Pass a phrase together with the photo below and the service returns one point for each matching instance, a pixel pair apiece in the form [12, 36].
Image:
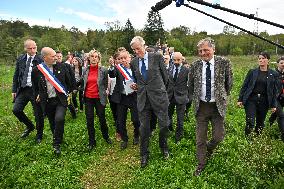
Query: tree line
[229, 42]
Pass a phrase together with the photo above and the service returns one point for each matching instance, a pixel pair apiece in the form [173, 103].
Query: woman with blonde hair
[95, 83]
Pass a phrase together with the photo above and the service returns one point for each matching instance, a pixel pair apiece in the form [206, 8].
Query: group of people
[151, 85]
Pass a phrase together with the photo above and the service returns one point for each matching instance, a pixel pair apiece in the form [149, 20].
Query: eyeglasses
[32, 48]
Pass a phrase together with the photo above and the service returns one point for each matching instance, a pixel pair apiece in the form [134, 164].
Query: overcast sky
[93, 14]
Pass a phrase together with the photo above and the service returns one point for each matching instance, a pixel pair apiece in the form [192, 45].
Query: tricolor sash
[51, 78]
[124, 72]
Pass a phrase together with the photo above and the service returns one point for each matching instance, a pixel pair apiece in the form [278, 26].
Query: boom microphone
[162, 4]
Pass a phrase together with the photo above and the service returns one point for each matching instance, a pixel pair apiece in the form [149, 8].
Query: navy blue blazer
[249, 84]
[20, 70]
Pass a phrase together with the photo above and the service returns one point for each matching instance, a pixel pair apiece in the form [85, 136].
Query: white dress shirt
[203, 88]
[29, 77]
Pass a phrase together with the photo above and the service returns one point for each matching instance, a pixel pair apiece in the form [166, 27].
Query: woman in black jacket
[258, 94]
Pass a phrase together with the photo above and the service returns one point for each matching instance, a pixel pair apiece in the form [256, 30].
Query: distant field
[237, 163]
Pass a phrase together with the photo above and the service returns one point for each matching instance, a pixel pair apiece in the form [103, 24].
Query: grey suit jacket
[154, 88]
[223, 82]
[102, 82]
[178, 88]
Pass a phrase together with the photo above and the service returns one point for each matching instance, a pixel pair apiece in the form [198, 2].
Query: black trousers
[180, 111]
[55, 113]
[25, 96]
[90, 104]
[127, 102]
[113, 107]
[74, 100]
[280, 115]
[145, 130]
[256, 109]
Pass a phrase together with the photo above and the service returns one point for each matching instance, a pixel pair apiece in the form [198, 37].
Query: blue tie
[143, 69]
[208, 83]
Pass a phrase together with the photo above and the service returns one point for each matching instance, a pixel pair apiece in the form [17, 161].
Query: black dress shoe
[38, 140]
[166, 153]
[91, 147]
[26, 133]
[57, 150]
[108, 141]
[198, 171]
[123, 145]
[209, 153]
[136, 141]
[144, 161]
[178, 138]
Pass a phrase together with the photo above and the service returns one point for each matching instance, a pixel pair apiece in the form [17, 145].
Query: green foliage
[237, 162]
[153, 31]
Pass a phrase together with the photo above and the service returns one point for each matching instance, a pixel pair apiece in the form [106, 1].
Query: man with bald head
[51, 85]
[22, 87]
[178, 93]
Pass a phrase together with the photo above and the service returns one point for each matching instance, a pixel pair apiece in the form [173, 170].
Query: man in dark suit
[124, 99]
[53, 101]
[210, 81]
[22, 92]
[151, 78]
[69, 68]
[178, 93]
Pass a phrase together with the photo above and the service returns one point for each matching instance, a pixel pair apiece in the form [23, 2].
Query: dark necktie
[24, 81]
[208, 83]
[176, 73]
[143, 69]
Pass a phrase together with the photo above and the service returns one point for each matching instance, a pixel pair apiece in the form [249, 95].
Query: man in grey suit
[178, 93]
[151, 78]
[210, 82]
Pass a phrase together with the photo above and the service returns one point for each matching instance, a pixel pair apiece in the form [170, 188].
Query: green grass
[237, 163]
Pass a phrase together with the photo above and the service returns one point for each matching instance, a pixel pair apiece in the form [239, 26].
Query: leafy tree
[113, 38]
[180, 32]
[128, 34]
[153, 30]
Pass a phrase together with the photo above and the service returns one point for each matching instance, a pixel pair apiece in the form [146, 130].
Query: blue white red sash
[51, 78]
[124, 72]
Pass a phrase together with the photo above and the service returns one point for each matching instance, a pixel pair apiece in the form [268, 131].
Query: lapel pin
[58, 71]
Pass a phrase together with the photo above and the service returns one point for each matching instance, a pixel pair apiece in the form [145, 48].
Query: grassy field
[237, 163]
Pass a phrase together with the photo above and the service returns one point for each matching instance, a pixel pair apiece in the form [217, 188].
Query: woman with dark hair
[95, 82]
[77, 67]
[258, 94]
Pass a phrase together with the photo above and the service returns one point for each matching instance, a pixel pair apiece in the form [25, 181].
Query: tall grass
[237, 163]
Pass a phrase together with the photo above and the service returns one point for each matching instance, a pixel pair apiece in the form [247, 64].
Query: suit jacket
[154, 88]
[178, 88]
[249, 84]
[71, 72]
[223, 81]
[20, 70]
[119, 87]
[40, 88]
[102, 82]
